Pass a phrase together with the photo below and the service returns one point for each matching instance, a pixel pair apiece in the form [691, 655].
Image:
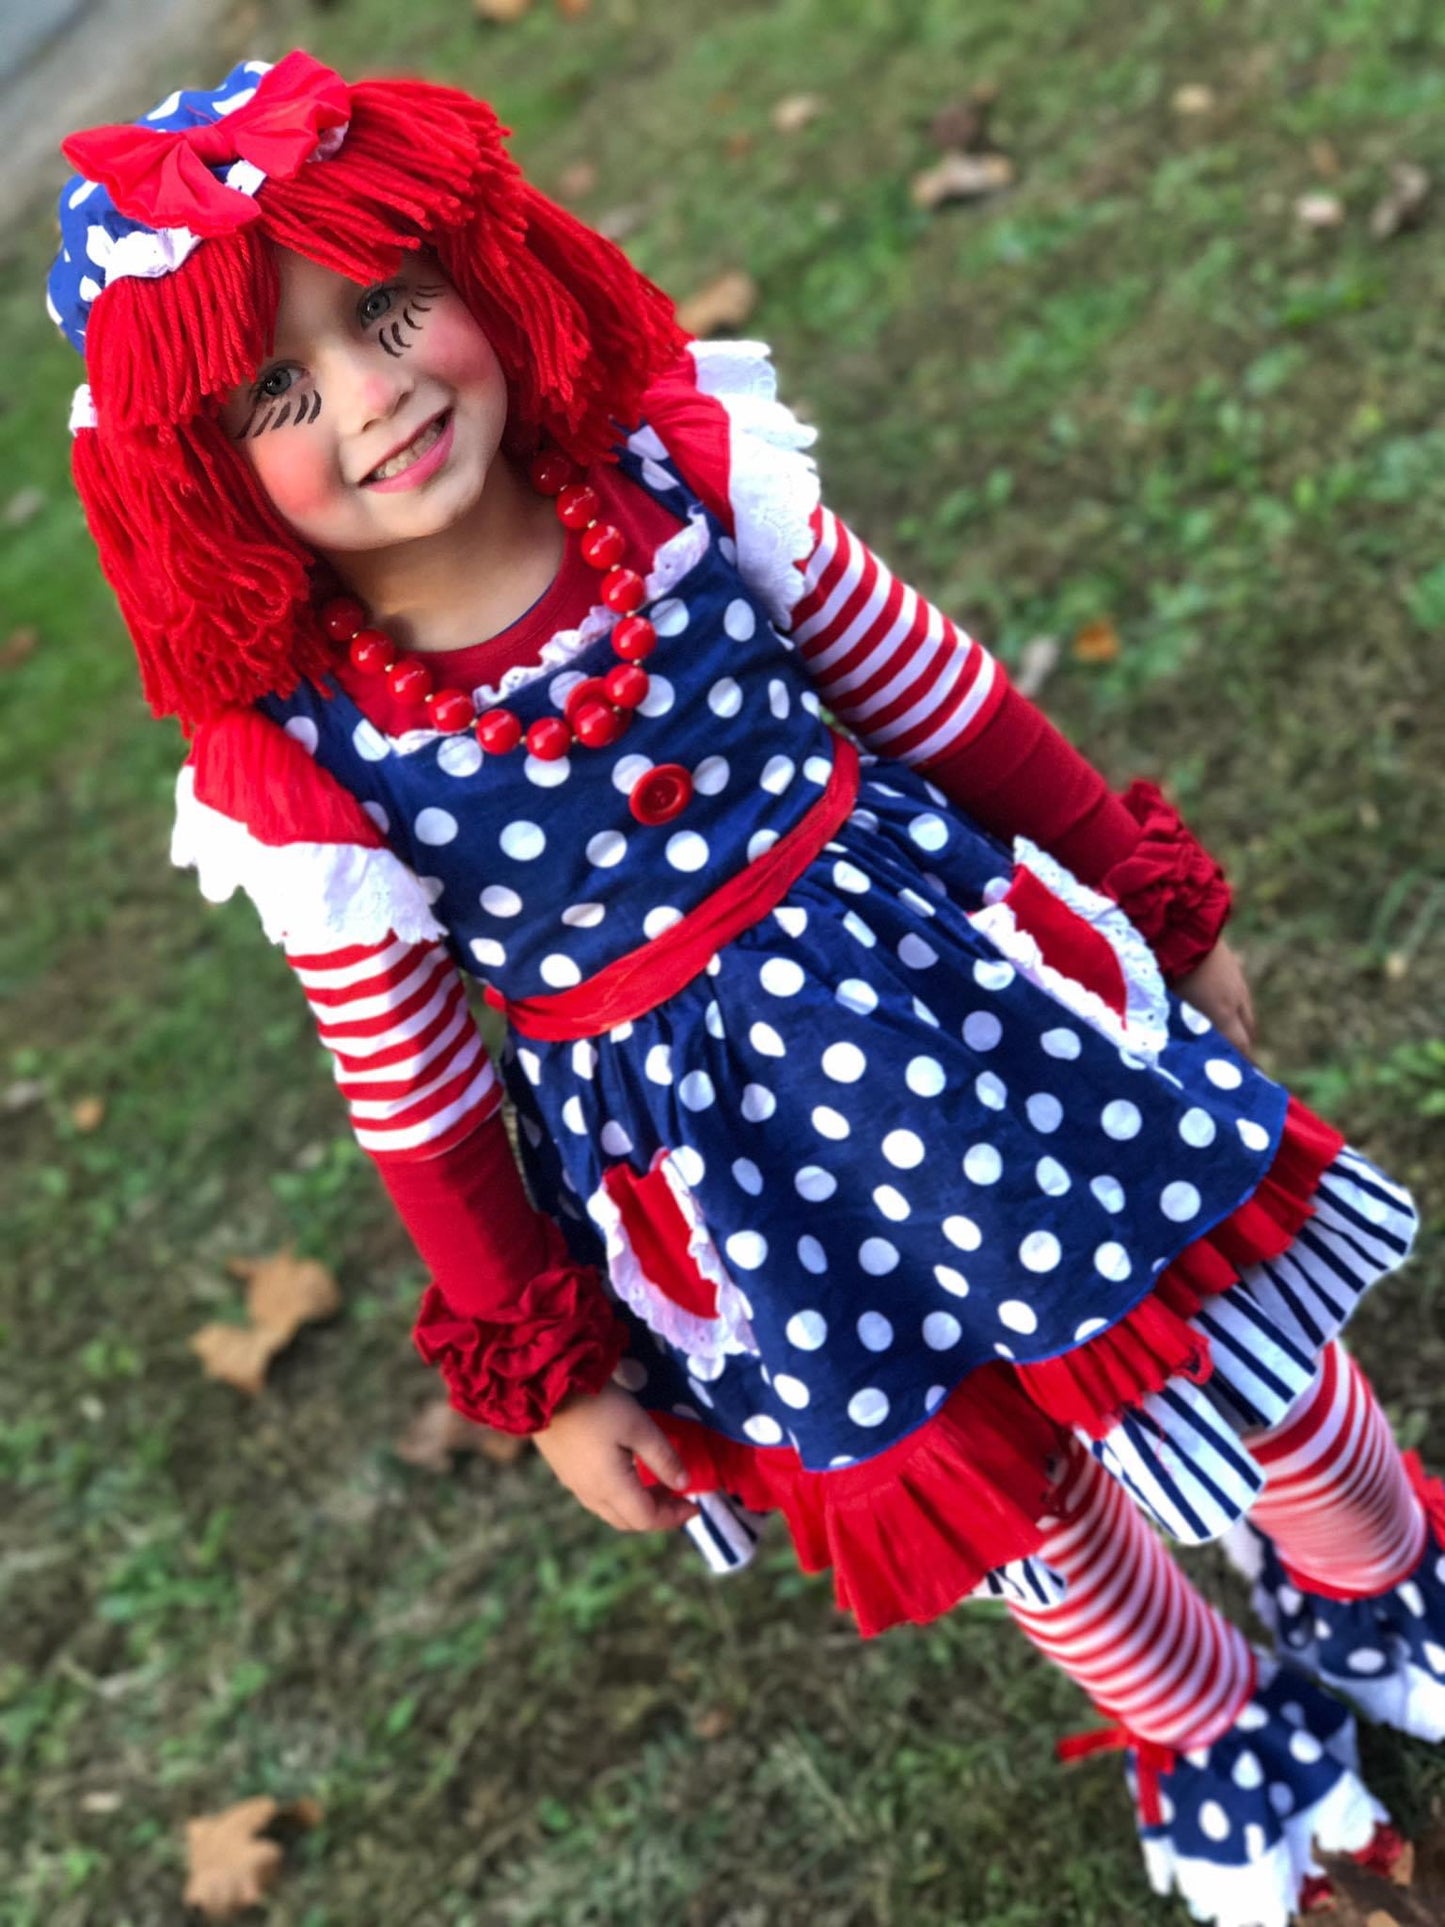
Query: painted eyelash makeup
[256, 423]
[390, 335]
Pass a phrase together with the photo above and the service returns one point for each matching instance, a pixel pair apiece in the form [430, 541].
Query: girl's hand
[1217, 988]
[591, 1444]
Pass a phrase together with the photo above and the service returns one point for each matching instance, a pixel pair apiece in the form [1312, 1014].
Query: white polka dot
[856, 927]
[1410, 1596]
[561, 687]
[1194, 1020]
[1290, 1601]
[760, 842]
[929, 832]
[669, 617]
[711, 775]
[1051, 1177]
[1223, 1075]
[437, 827]
[499, 901]
[778, 773]
[532, 1066]
[778, 699]
[1281, 1798]
[378, 816]
[522, 841]
[829, 1123]
[951, 1280]
[369, 743]
[868, 1407]
[792, 1391]
[875, 1332]
[916, 902]
[763, 1430]
[758, 1103]
[1018, 1316]
[1040, 1251]
[892, 1203]
[1251, 1718]
[815, 1184]
[659, 698]
[1252, 1136]
[739, 620]
[628, 772]
[559, 972]
[1045, 1111]
[713, 1018]
[546, 772]
[1366, 1659]
[849, 877]
[817, 769]
[781, 977]
[903, 1149]
[1121, 1119]
[581, 916]
[917, 954]
[981, 1030]
[791, 918]
[962, 1232]
[1109, 1192]
[1213, 1820]
[657, 1065]
[766, 1041]
[725, 698]
[487, 950]
[459, 755]
[1089, 1329]
[687, 850]
[660, 919]
[808, 1330]
[690, 1165]
[619, 1033]
[1306, 1748]
[924, 1076]
[934, 1397]
[302, 730]
[697, 1091]
[746, 1174]
[1112, 1261]
[572, 1116]
[631, 1374]
[1434, 1654]
[991, 1091]
[844, 1063]
[854, 994]
[941, 1331]
[1179, 1202]
[982, 1164]
[993, 976]
[811, 1255]
[584, 1057]
[1061, 1043]
[747, 1248]
[1196, 1127]
[607, 848]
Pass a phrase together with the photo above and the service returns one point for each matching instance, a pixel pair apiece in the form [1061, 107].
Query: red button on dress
[661, 794]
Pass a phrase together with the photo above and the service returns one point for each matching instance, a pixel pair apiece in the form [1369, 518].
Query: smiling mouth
[421, 444]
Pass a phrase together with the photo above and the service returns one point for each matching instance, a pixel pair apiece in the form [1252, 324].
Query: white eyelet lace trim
[310, 896]
[709, 1340]
[82, 409]
[1144, 1029]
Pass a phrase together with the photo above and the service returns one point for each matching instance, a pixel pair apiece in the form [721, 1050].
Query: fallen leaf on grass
[961, 177]
[1192, 99]
[438, 1433]
[1320, 211]
[24, 1092]
[576, 182]
[88, 1114]
[1404, 205]
[231, 1862]
[738, 145]
[573, 9]
[962, 126]
[793, 112]
[237, 1355]
[1097, 642]
[724, 303]
[283, 1293]
[19, 644]
[712, 1722]
[501, 11]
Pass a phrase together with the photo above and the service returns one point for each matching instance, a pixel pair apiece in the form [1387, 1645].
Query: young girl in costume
[876, 1177]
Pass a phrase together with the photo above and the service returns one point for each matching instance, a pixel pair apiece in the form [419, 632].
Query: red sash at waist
[649, 975]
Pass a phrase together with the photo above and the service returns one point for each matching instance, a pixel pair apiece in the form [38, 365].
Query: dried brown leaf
[1320, 211]
[19, 644]
[231, 1863]
[236, 1355]
[724, 303]
[961, 177]
[1404, 206]
[738, 144]
[576, 182]
[88, 1113]
[793, 112]
[712, 1722]
[284, 1292]
[1325, 159]
[501, 11]
[573, 9]
[962, 126]
[1097, 642]
[1193, 99]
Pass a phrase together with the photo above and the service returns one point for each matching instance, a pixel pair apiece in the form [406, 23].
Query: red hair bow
[163, 176]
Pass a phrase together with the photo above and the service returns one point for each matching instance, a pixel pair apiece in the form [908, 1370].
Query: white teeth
[413, 452]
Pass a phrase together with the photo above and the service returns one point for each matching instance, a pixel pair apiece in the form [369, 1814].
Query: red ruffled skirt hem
[913, 1530]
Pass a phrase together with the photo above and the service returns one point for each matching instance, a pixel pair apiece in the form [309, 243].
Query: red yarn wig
[215, 589]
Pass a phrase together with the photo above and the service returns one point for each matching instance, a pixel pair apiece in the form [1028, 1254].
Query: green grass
[1132, 387]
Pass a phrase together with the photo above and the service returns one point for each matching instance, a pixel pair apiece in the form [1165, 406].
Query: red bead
[410, 682]
[626, 685]
[342, 617]
[498, 731]
[551, 471]
[598, 725]
[624, 590]
[633, 638]
[373, 652]
[591, 689]
[453, 710]
[604, 546]
[549, 738]
[577, 505]
[661, 794]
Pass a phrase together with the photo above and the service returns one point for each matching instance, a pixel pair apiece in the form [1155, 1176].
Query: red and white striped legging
[1145, 1646]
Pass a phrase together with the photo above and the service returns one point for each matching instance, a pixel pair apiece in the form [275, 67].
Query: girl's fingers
[657, 1452]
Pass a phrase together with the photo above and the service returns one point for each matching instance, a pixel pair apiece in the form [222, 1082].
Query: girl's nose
[368, 393]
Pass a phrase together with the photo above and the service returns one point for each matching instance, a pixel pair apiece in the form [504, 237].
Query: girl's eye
[274, 383]
[374, 304]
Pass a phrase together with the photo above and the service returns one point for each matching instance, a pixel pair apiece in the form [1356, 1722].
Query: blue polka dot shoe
[1386, 1655]
[1233, 1827]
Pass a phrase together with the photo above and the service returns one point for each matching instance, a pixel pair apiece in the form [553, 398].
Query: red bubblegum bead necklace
[597, 711]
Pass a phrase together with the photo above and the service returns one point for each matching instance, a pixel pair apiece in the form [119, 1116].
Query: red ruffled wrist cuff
[1169, 886]
[564, 1337]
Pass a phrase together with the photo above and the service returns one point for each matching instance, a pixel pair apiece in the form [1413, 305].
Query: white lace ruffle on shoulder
[772, 483]
[310, 896]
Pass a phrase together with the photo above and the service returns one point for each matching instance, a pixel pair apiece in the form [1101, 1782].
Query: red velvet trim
[1170, 887]
[249, 769]
[658, 1234]
[1067, 942]
[912, 1531]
